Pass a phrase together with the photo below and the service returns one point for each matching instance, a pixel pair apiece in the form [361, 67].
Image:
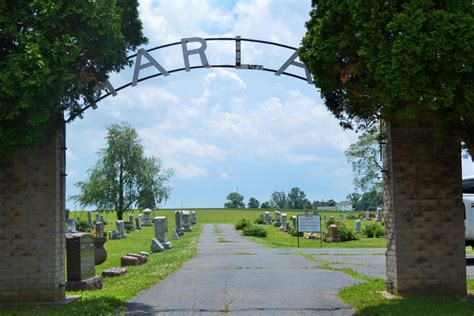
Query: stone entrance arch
[424, 227]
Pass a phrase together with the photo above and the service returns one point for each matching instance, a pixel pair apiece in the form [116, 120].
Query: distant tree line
[295, 199]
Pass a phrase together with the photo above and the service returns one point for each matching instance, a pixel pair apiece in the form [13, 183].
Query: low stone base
[94, 283]
[129, 261]
[156, 246]
[167, 245]
[333, 239]
[113, 272]
[141, 258]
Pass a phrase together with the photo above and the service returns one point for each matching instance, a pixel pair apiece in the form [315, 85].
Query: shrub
[244, 222]
[373, 230]
[345, 233]
[259, 221]
[82, 226]
[294, 232]
[351, 216]
[253, 230]
[330, 221]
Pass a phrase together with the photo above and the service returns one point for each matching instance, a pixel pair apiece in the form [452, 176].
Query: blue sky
[224, 129]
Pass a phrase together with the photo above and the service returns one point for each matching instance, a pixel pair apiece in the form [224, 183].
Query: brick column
[424, 215]
[32, 238]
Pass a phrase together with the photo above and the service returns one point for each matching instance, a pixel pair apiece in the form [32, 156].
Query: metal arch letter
[200, 51]
[152, 62]
[292, 61]
[108, 86]
[238, 59]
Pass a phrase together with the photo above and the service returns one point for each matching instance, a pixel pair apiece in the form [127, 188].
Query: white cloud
[224, 175]
[186, 170]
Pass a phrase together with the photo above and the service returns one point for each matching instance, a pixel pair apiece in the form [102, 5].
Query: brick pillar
[32, 240]
[424, 215]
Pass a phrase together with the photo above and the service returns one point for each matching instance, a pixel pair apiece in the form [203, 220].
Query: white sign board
[309, 223]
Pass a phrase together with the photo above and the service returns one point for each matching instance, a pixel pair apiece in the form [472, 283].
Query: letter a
[138, 66]
[291, 61]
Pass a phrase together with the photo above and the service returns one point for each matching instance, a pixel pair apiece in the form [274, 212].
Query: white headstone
[378, 217]
[147, 217]
[193, 217]
[277, 218]
[186, 215]
[367, 215]
[267, 218]
[161, 231]
[120, 227]
[357, 226]
[97, 217]
[130, 218]
[283, 221]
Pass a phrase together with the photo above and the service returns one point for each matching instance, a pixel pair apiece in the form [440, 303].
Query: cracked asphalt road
[232, 275]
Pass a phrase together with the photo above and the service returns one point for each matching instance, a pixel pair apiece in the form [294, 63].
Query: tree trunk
[424, 213]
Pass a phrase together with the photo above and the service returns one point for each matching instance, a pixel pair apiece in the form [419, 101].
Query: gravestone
[128, 226]
[130, 218]
[341, 216]
[277, 218]
[262, 218]
[101, 219]
[137, 223]
[120, 228]
[80, 259]
[267, 218]
[283, 222]
[333, 232]
[140, 219]
[99, 229]
[315, 212]
[367, 215]
[193, 217]
[156, 246]
[97, 217]
[357, 226]
[89, 218]
[71, 226]
[187, 221]
[178, 219]
[175, 235]
[161, 231]
[147, 217]
[293, 220]
[378, 217]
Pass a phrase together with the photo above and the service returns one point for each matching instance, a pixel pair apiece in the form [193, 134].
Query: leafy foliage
[235, 200]
[296, 198]
[364, 156]
[345, 234]
[244, 222]
[123, 174]
[53, 54]
[278, 199]
[266, 205]
[253, 203]
[394, 60]
[255, 231]
[373, 230]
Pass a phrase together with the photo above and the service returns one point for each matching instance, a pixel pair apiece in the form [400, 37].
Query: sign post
[308, 224]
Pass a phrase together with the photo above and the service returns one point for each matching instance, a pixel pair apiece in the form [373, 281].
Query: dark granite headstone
[80, 256]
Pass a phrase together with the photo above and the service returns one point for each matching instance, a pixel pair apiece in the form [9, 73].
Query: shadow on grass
[103, 305]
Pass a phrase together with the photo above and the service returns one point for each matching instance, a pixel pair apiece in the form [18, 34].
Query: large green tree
[296, 198]
[394, 60]
[53, 55]
[234, 200]
[364, 155]
[279, 200]
[253, 203]
[123, 176]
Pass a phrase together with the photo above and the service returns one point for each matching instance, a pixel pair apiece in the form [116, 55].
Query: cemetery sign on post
[308, 224]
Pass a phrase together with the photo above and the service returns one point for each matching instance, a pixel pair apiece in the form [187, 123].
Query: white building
[344, 206]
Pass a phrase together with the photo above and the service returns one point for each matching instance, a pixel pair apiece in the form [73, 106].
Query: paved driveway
[232, 275]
